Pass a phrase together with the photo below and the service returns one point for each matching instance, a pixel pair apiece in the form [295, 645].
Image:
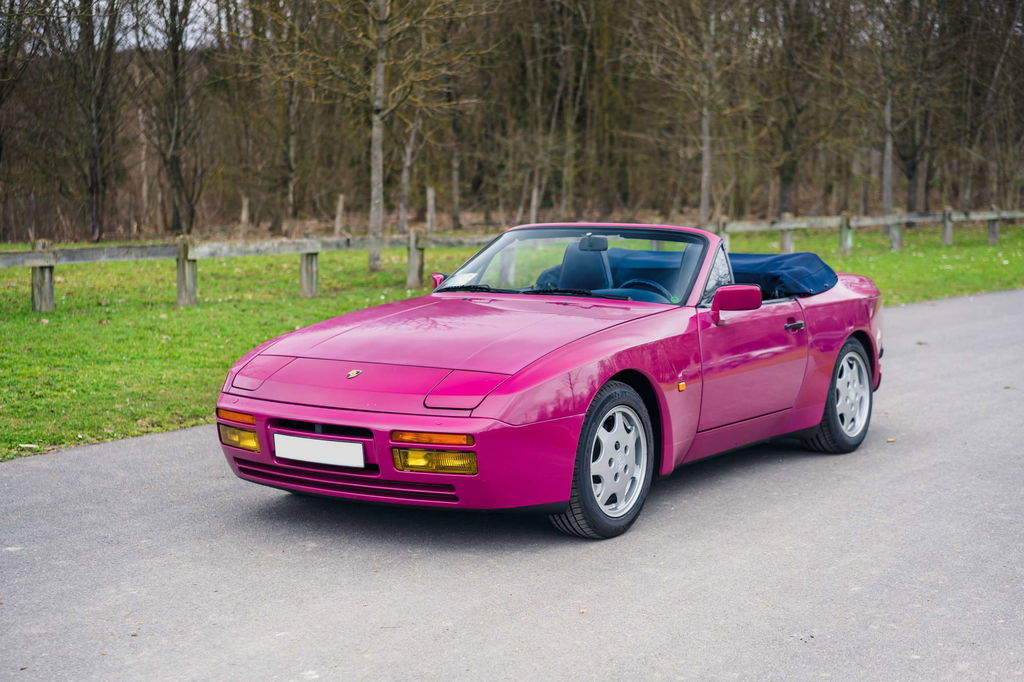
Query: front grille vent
[322, 429]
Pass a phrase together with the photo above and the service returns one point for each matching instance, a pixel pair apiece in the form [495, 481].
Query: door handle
[793, 326]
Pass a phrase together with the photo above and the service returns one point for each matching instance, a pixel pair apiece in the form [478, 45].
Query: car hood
[500, 334]
[439, 352]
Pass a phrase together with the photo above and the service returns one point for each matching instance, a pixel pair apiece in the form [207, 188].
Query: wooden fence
[846, 224]
[42, 258]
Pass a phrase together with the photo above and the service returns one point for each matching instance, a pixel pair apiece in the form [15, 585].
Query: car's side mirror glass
[437, 278]
[734, 297]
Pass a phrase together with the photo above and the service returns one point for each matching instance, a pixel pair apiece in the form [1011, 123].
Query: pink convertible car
[560, 369]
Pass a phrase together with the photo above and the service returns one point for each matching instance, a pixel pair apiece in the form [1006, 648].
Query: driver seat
[584, 269]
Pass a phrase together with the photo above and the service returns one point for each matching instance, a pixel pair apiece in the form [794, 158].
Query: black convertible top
[783, 275]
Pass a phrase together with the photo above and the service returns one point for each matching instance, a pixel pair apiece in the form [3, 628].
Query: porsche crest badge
[353, 374]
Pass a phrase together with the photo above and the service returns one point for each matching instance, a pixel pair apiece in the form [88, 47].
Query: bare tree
[169, 35]
[403, 47]
[800, 80]
[83, 38]
[686, 59]
[912, 50]
[21, 30]
[408, 156]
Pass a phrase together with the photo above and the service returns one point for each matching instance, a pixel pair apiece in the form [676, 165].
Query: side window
[721, 275]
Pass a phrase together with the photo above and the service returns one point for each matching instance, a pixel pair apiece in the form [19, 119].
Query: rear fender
[852, 308]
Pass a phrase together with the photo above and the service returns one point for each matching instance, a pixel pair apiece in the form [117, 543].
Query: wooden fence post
[896, 236]
[845, 234]
[431, 210]
[787, 241]
[787, 235]
[947, 226]
[308, 274]
[187, 294]
[42, 281]
[414, 273]
[993, 229]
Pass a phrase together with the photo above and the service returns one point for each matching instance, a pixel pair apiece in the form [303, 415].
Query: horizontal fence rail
[846, 223]
[43, 258]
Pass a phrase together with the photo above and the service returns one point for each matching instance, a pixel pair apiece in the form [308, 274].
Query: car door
[753, 361]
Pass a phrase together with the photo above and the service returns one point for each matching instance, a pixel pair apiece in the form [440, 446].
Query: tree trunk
[376, 227]
[95, 187]
[910, 169]
[339, 216]
[144, 172]
[291, 148]
[787, 177]
[705, 165]
[568, 171]
[243, 221]
[181, 209]
[705, 123]
[403, 193]
[456, 218]
[431, 210]
[928, 172]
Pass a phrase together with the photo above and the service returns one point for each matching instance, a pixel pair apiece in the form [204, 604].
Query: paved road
[146, 559]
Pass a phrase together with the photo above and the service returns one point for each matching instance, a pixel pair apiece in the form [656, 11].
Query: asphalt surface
[147, 559]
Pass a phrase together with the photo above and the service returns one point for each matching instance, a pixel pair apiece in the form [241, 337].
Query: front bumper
[519, 466]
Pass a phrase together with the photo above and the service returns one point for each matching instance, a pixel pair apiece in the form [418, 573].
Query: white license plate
[319, 451]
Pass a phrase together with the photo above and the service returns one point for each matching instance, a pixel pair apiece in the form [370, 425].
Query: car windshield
[639, 264]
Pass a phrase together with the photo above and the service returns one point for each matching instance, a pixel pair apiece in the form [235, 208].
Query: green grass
[118, 358]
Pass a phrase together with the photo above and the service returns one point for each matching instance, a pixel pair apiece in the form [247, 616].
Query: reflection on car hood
[459, 331]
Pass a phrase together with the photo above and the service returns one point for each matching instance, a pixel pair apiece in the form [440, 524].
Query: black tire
[585, 516]
[832, 434]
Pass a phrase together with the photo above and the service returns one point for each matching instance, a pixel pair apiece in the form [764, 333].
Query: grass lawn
[118, 358]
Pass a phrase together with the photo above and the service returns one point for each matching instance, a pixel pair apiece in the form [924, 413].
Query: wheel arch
[640, 383]
[869, 347]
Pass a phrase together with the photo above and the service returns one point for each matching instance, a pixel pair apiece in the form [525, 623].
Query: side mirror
[734, 297]
[437, 278]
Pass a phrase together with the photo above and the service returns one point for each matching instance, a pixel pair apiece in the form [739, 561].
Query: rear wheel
[614, 466]
[848, 406]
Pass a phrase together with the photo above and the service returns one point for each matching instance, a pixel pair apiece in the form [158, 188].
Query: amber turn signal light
[434, 461]
[239, 438]
[232, 416]
[432, 438]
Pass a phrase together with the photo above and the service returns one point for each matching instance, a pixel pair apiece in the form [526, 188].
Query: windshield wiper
[573, 292]
[478, 287]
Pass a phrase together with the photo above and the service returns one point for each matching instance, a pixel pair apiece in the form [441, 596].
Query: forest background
[143, 118]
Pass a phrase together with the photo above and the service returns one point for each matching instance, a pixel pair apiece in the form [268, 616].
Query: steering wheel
[650, 284]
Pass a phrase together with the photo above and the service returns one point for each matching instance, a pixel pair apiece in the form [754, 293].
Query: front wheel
[614, 466]
[848, 405]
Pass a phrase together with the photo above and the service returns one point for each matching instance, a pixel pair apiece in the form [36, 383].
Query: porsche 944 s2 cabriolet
[560, 369]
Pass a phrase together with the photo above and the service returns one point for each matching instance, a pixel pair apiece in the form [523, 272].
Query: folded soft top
[779, 276]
